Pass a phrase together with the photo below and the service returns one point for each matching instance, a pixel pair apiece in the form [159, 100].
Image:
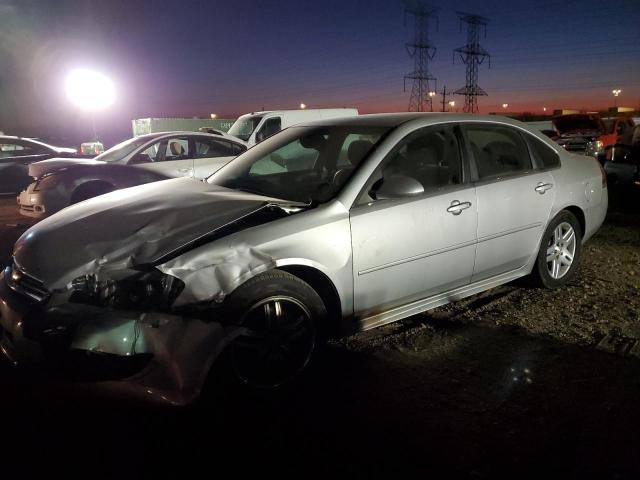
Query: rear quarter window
[544, 155]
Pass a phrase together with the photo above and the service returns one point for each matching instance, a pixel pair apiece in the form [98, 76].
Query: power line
[472, 55]
[422, 52]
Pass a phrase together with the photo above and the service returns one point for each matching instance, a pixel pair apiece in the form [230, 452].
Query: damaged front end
[123, 332]
[136, 284]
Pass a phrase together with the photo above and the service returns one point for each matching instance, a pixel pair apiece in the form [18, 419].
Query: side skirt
[419, 306]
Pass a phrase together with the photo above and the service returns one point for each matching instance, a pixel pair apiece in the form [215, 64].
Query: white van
[254, 127]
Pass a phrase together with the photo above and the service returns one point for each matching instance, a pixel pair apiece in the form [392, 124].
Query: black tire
[541, 274]
[288, 324]
[90, 190]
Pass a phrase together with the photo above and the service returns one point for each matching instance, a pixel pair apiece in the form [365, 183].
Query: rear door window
[498, 151]
[213, 147]
[544, 155]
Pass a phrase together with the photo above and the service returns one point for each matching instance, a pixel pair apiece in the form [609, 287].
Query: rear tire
[560, 249]
[287, 324]
[90, 190]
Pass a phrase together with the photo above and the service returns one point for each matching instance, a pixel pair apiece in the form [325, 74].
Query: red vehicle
[589, 134]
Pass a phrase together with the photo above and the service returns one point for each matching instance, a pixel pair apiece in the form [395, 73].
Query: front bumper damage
[163, 357]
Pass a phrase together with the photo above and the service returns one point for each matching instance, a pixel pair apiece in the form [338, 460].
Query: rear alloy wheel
[284, 318]
[560, 250]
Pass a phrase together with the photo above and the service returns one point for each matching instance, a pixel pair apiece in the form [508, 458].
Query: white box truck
[142, 126]
[254, 127]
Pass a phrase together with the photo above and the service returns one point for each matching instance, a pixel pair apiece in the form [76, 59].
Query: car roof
[27, 139]
[155, 135]
[396, 119]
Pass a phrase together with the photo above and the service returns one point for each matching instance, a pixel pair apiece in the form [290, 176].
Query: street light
[452, 103]
[213, 116]
[303, 106]
[616, 92]
[90, 91]
[431, 95]
[505, 105]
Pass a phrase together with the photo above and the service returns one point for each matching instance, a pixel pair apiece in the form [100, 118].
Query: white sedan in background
[61, 182]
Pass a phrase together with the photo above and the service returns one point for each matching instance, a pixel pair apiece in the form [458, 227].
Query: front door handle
[543, 187]
[457, 207]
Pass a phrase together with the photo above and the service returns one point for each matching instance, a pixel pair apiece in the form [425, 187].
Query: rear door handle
[457, 207]
[543, 187]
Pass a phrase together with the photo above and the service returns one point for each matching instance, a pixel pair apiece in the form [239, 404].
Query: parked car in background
[622, 165]
[323, 229]
[618, 130]
[62, 182]
[16, 153]
[255, 127]
[576, 131]
[589, 134]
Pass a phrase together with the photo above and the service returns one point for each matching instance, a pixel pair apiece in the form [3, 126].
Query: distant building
[142, 126]
[565, 111]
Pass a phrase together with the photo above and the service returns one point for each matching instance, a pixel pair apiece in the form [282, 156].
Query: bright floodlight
[90, 90]
[303, 106]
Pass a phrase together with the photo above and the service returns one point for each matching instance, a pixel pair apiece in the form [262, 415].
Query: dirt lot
[516, 382]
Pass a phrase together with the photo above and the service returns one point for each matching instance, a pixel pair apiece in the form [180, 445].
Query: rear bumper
[158, 356]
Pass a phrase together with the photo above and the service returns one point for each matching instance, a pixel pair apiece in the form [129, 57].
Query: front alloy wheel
[278, 345]
[285, 323]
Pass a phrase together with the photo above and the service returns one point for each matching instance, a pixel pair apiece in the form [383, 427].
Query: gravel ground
[514, 382]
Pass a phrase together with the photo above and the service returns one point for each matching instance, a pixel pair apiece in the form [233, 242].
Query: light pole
[431, 95]
[90, 91]
[616, 92]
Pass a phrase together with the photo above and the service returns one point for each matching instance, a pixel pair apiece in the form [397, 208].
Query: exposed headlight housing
[152, 290]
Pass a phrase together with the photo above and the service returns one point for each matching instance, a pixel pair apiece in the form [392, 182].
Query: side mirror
[398, 186]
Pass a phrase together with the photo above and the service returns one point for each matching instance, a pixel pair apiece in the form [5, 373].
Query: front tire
[286, 324]
[560, 250]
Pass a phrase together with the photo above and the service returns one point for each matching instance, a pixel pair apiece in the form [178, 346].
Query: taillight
[604, 175]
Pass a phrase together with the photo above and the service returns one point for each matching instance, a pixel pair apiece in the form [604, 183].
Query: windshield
[301, 164]
[121, 150]
[243, 127]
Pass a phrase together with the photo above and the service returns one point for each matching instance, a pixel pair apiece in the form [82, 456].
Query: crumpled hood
[38, 169]
[128, 227]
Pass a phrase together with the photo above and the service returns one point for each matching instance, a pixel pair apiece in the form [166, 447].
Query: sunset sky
[192, 58]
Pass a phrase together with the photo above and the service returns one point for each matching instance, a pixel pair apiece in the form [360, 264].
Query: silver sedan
[322, 230]
[60, 182]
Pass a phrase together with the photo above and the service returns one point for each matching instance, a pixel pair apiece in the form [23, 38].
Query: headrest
[357, 151]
